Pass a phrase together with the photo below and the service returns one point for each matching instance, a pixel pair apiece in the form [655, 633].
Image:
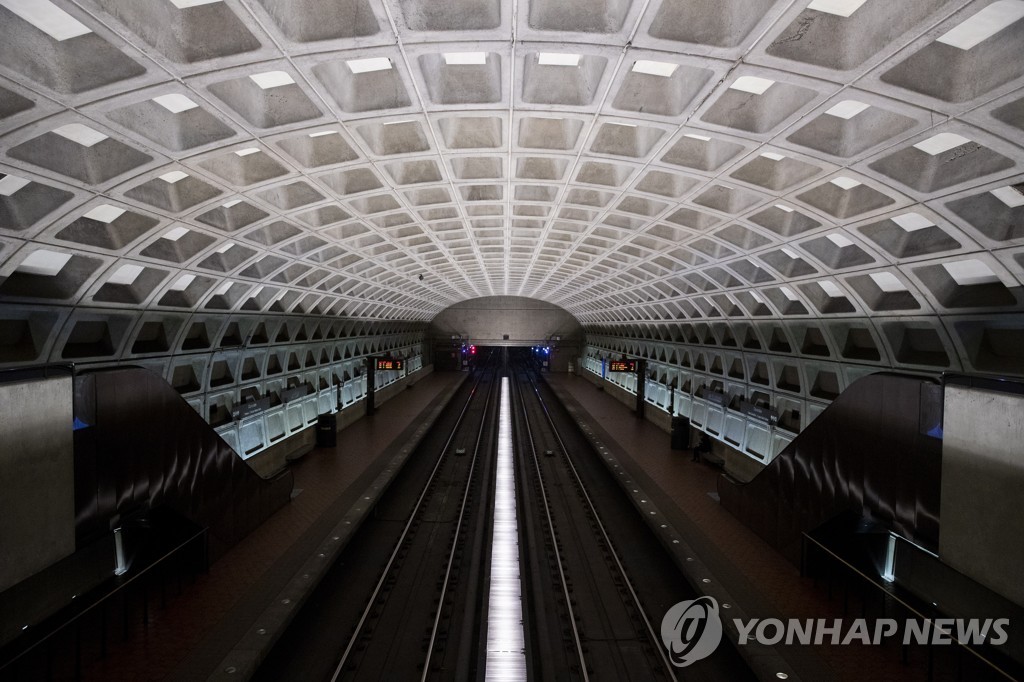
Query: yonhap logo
[691, 630]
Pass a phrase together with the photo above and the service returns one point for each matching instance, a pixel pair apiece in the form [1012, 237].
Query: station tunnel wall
[509, 321]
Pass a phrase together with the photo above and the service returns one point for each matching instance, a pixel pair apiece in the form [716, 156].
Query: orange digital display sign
[622, 366]
[385, 364]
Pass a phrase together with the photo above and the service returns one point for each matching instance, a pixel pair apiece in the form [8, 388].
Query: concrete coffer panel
[37, 484]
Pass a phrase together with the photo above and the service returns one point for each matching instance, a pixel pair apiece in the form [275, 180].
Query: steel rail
[405, 532]
[651, 632]
[458, 527]
[554, 543]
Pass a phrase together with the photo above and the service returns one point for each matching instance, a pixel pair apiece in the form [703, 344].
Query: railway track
[439, 519]
[403, 603]
[408, 599]
[600, 582]
[610, 634]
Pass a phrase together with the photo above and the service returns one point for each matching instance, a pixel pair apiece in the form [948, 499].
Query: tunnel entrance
[512, 322]
[548, 356]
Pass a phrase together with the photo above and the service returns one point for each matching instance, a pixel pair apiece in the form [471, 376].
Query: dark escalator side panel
[145, 448]
[867, 453]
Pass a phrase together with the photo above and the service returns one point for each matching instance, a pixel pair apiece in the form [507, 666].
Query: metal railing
[891, 599]
[17, 656]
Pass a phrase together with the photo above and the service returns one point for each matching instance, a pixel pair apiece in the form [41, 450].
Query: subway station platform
[193, 636]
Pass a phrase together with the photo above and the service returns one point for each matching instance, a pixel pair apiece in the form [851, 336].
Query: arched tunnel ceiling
[506, 321]
[626, 160]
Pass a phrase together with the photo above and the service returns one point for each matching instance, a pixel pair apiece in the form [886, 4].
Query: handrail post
[121, 566]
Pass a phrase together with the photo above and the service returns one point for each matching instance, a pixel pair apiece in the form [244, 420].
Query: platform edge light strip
[506, 654]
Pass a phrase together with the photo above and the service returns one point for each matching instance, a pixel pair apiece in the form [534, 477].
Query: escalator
[158, 495]
[140, 446]
[875, 452]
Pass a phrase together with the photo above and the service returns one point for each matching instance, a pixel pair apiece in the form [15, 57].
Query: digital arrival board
[388, 364]
[622, 366]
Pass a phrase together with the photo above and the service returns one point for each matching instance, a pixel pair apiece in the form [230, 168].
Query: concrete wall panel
[37, 491]
[982, 476]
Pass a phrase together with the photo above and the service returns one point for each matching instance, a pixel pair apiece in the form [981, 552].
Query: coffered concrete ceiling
[658, 160]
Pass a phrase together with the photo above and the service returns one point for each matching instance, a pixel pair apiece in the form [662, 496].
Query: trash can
[327, 430]
[680, 432]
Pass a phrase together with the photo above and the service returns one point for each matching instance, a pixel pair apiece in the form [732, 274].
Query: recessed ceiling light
[911, 222]
[322, 133]
[233, 202]
[272, 79]
[247, 151]
[558, 59]
[367, 65]
[787, 209]
[175, 233]
[989, 21]
[182, 282]
[773, 156]
[126, 274]
[971, 272]
[48, 18]
[846, 183]
[80, 134]
[788, 293]
[887, 282]
[831, 289]
[841, 8]
[752, 84]
[185, 4]
[942, 142]
[173, 177]
[225, 247]
[105, 213]
[175, 103]
[9, 184]
[664, 69]
[702, 138]
[840, 240]
[465, 58]
[44, 263]
[847, 109]
[1009, 195]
